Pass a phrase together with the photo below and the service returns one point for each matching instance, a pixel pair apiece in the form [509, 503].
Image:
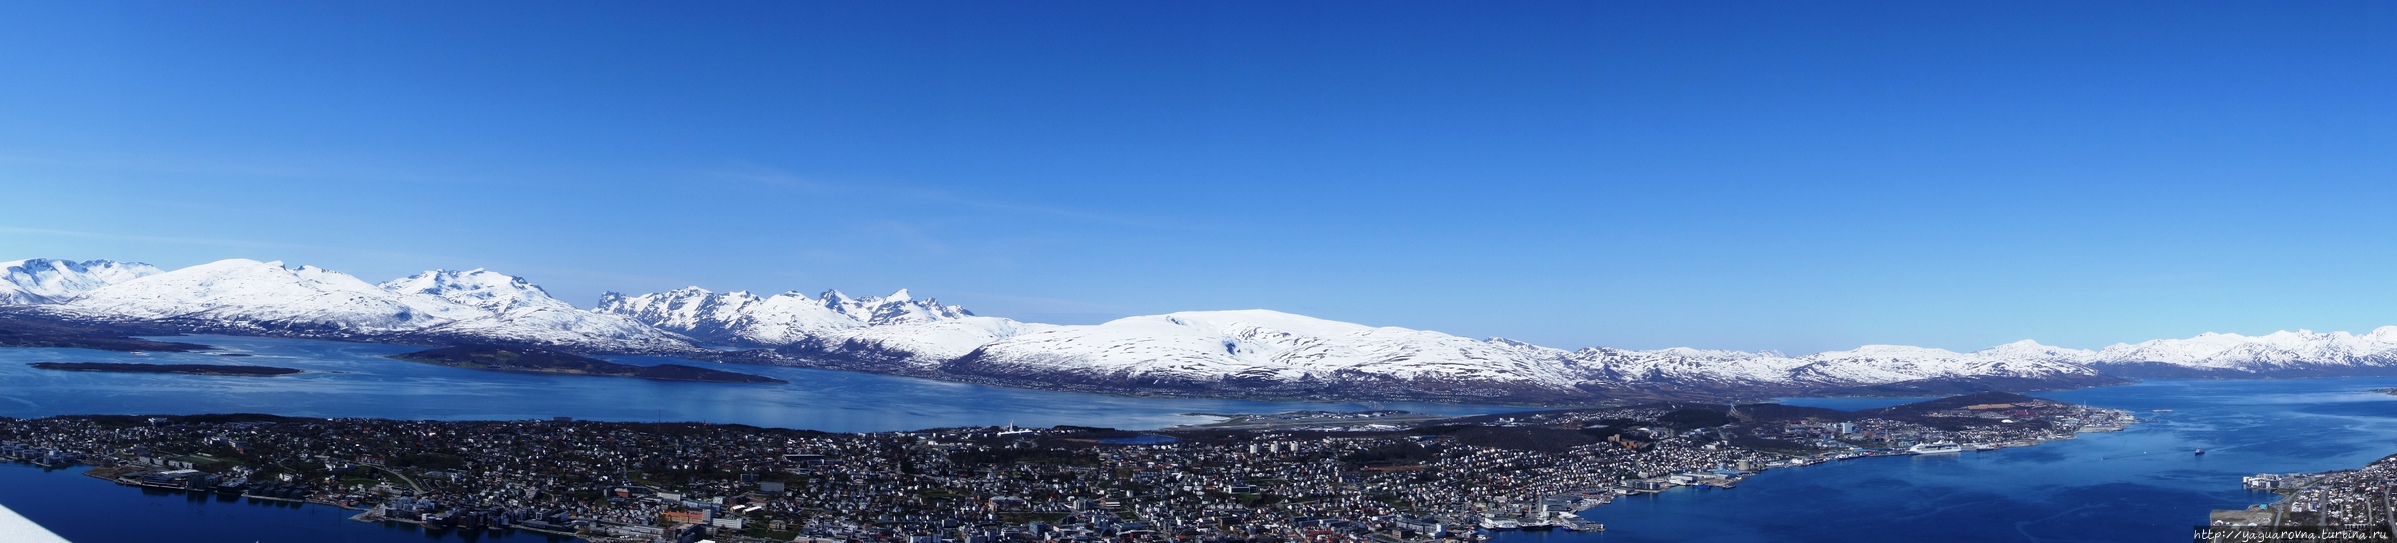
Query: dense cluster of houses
[689, 481]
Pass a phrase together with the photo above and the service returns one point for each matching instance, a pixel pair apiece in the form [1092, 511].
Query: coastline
[2328, 502]
[1658, 449]
[219, 370]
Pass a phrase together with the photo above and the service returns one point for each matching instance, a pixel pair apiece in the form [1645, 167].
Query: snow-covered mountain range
[1215, 351]
[897, 327]
[1247, 353]
[250, 297]
[42, 280]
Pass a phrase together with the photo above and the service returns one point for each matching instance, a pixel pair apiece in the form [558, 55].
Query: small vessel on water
[1935, 448]
[2201, 452]
[1576, 524]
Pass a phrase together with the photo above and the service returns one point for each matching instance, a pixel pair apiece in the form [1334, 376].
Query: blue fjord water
[2142, 484]
[355, 380]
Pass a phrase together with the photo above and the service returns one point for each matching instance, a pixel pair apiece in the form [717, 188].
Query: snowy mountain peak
[742, 318]
[921, 333]
[1887, 351]
[2033, 350]
[477, 287]
[898, 308]
[248, 296]
[257, 293]
[43, 280]
[1208, 349]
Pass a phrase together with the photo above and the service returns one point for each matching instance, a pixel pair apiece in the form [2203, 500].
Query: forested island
[536, 360]
[186, 369]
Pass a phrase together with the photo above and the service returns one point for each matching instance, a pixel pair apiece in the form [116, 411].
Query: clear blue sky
[1764, 175]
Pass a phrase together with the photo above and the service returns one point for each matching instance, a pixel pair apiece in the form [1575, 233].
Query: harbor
[1318, 477]
[2139, 468]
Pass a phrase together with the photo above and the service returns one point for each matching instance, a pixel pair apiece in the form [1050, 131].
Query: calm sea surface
[2142, 484]
[87, 510]
[2138, 485]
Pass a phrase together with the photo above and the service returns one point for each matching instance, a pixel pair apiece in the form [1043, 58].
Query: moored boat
[1942, 447]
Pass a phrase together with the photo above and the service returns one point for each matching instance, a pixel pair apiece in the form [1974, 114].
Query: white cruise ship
[1500, 524]
[1936, 448]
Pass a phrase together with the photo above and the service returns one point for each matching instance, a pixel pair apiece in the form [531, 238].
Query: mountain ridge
[1230, 353]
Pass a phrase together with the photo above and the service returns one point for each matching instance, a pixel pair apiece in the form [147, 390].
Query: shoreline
[217, 370]
[370, 515]
[2326, 502]
[365, 515]
[1473, 464]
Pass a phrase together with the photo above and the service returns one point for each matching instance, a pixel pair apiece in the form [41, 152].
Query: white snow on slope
[930, 331]
[240, 294]
[2277, 350]
[1682, 365]
[733, 317]
[1896, 363]
[934, 342]
[780, 319]
[244, 292]
[1261, 344]
[517, 310]
[1271, 345]
[44, 281]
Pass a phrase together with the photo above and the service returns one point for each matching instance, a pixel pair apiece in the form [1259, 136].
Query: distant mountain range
[1244, 353]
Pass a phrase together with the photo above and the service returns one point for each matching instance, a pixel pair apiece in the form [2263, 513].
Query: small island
[186, 369]
[536, 360]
